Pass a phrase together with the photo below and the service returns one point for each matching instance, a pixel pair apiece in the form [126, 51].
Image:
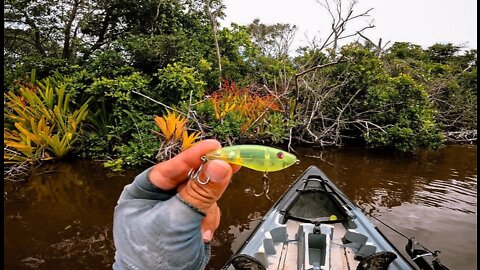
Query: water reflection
[62, 217]
[430, 195]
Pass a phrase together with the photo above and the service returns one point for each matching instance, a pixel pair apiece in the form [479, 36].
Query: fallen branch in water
[17, 172]
[464, 136]
[322, 159]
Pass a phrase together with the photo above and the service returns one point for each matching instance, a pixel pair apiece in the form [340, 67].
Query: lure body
[256, 157]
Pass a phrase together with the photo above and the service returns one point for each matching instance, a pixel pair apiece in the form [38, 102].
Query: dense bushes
[401, 107]
[236, 114]
[131, 66]
[402, 100]
[40, 120]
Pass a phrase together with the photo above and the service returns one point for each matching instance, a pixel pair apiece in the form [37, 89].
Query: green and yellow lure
[256, 157]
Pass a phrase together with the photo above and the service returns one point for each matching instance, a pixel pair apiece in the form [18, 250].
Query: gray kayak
[315, 226]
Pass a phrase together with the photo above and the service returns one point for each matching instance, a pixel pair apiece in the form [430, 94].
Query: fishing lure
[256, 157]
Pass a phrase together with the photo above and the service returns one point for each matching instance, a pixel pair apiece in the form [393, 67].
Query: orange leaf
[179, 127]
[161, 123]
[187, 140]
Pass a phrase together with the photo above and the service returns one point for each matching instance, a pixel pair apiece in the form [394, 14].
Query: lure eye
[280, 155]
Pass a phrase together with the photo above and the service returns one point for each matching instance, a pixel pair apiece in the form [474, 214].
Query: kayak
[315, 226]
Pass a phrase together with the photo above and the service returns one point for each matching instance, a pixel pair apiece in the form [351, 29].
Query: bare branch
[158, 102]
[378, 47]
[340, 19]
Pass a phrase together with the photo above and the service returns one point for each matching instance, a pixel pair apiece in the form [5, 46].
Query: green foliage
[352, 79]
[114, 164]
[109, 64]
[384, 102]
[468, 80]
[449, 79]
[150, 53]
[238, 54]
[276, 128]
[402, 108]
[406, 50]
[178, 82]
[236, 114]
[261, 59]
[94, 145]
[115, 108]
[40, 123]
[272, 71]
[364, 71]
[165, 50]
[442, 53]
[31, 21]
[143, 145]
[205, 110]
[229, 127]
[273, 40]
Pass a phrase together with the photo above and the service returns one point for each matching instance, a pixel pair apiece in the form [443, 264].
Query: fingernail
[207, 235]
[217, 170]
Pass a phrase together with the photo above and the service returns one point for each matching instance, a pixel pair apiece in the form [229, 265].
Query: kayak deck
[315, 226]
[286, 251]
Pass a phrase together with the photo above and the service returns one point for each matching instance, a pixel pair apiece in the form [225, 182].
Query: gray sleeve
[155, 229]
[142, 188]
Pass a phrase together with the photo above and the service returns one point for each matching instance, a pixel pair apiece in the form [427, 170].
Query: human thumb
[203, 196]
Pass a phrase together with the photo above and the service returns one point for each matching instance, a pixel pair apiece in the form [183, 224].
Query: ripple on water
[432, 197]
[453, 194]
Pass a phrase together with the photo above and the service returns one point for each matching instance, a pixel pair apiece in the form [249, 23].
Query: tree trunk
[37, 36]
[67, 52]
[101, 36]
[215, 40]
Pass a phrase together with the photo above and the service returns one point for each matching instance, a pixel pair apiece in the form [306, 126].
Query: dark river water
[61, 218]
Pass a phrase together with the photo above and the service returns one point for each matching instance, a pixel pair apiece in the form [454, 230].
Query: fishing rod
[421, 255]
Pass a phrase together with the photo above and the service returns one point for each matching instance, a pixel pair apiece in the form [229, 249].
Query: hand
[173, 174]
[210, 223]
[162, 222]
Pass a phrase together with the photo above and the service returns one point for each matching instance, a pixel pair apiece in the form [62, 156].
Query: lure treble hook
[195, 174]
[266, 187]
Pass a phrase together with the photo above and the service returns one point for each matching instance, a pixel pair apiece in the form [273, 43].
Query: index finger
[169, 174]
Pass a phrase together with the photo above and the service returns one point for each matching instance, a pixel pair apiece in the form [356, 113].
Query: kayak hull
[315, 226]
